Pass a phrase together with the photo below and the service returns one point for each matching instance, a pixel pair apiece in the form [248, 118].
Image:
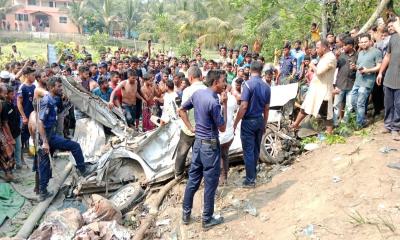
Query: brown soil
[344, 191]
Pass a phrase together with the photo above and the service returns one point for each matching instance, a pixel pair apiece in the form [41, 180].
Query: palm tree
[105, 13]
[77, 12]
[131, 16]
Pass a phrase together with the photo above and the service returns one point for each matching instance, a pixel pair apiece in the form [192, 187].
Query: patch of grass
[363, 133]
[307, 140]
[335, 139]
[388, 222]
[357, 218]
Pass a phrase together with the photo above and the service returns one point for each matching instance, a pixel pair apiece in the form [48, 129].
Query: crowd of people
[337, 75]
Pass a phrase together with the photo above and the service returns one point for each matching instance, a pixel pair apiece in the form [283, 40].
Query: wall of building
[54, 14]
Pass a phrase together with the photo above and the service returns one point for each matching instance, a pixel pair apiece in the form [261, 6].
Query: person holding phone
[368, 63]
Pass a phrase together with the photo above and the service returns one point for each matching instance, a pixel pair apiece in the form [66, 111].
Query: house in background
[40, 16]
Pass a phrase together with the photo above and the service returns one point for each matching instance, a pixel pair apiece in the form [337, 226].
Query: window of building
[52, 4]
[63, 19]
[21, 17]
[31, 2]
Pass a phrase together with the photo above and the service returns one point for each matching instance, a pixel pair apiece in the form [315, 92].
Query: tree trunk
[378, 11]
[324, 19]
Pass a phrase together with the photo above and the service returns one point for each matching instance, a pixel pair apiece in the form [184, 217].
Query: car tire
[271, 148]
[127, 197]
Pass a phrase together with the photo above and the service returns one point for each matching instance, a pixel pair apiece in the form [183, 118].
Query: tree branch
[378, 11]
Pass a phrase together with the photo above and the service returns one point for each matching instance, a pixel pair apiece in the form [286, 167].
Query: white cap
[5, 74]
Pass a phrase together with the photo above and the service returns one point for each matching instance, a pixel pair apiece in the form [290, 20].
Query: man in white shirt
[187, 136]
[226, 138]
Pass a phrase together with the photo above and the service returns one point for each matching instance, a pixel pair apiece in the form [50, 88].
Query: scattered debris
[59, 225]
[103, 230]
[387, 149]
[309, 230]
[395, 165]
[311, 146]
[101, 209]
[336, 179]
[163, 222]
[249, 208]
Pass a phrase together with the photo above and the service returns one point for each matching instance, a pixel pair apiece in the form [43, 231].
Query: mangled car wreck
[129, 164]
[148, 158]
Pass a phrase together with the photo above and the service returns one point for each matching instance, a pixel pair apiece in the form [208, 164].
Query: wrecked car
[127, 156]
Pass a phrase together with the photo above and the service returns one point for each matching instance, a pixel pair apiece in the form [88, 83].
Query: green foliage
[307, 140]
[186, 48]
[335, 139]
[98, 41]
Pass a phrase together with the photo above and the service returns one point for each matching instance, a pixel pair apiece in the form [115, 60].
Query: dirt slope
[341, 191]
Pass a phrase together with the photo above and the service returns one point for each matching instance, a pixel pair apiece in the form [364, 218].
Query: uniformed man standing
[206, 148]
[253, 110]
[47, 121]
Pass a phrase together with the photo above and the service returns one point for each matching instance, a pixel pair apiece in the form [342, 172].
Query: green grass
[33, 49]
[27, 49]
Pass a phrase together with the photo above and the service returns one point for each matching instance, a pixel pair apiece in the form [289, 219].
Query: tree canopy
[218, 22]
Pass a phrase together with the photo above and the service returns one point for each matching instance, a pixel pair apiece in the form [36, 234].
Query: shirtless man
[41, 88]
[130, 92]
[84, 79]
[150, 93]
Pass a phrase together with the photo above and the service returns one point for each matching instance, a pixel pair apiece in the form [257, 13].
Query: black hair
[10, 89]
[146, 77]
[256, 66]
[213, 76]
[83, 69]
[363, 35]
[53, 80]
[132, 73]
[114, 73]
[170, 85]
[324, 43]
[102, 80]
[348, 41]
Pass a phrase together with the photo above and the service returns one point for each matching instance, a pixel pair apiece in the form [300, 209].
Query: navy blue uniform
[206, 150]
[257, 93]
[26, 92]
[48, 116]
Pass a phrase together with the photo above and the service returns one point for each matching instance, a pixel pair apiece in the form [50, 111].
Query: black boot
[186, 218]
[43, 195]
[212, 222]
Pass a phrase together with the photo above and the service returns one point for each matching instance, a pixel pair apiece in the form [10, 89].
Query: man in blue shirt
[50, 141]
[206, 148]
[103, 90]
[254, 108]
[298, 54]
[287, 66]
[24, 101]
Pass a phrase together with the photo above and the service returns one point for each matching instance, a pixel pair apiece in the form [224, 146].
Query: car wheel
[127, 197]
[271, 148]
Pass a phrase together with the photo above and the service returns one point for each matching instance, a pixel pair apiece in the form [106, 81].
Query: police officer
[206, 147]
[253, 110]
[47, 121]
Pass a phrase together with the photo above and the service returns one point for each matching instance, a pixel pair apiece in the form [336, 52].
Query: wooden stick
[153, 211]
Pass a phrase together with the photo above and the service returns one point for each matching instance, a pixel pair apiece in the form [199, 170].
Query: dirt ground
[25, 183]
[342, 191]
